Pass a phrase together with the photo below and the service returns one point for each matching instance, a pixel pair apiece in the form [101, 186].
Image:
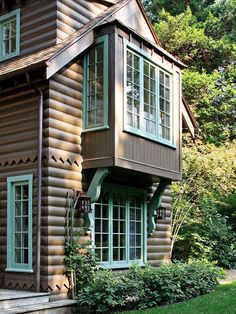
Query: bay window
[148, 98]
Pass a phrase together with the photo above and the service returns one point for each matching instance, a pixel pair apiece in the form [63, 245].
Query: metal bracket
[155, 203]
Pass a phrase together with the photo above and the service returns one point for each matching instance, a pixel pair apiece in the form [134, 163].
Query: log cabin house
[90, 101]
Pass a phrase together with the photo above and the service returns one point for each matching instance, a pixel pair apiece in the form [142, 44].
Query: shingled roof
[45, 57]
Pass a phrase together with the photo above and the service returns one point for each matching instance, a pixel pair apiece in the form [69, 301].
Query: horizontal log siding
[72, 14]
[61, 173]
[38, 26]
[14, 280]
[159, 244]
[18, 126]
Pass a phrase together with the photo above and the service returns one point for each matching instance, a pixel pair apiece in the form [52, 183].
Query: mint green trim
[155, 204]
[144, 56]
[127, 192]
[99, 128]
[12, 182]
[94, 189]
[101, 41]
[94, 192]
[5, 18]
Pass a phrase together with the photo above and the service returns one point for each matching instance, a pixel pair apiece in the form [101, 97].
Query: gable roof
[54, 58]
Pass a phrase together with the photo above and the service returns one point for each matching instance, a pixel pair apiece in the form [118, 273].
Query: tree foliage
[202, 34]
[209, 182]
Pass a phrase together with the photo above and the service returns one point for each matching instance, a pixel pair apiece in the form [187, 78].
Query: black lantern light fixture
[160, 213]
[83, 203]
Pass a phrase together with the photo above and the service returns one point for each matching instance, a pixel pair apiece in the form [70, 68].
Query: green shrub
[142, 287]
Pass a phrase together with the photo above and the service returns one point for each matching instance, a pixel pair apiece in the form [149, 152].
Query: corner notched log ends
[73, 118]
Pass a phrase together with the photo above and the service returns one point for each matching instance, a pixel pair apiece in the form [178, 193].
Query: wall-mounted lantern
[83, 203]
[160, 213]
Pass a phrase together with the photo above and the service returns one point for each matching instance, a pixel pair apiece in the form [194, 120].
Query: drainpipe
[39, 185]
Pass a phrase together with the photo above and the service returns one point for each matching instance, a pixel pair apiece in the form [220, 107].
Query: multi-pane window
[164, 98]
[119, 228]
[95, 87]
[9, 34]
[133, 90]
[148, 98]
[19, 223]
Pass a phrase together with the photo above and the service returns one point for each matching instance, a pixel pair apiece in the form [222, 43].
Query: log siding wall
[18, 156]
[62, 171]
[159, 244]
[38, 26]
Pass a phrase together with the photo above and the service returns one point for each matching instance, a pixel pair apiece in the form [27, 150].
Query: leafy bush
[142, 287]
[80, 262]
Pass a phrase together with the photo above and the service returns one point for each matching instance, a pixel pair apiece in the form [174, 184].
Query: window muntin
[165, 107]
[96, 85]
[10, 35]
[19, 223]
[148, 98]
[119, 229]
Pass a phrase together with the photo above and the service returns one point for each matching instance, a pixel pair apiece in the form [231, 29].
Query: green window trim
[146, 105]
[10, 35]
[128, 248]
[19, 223]
[95, 89]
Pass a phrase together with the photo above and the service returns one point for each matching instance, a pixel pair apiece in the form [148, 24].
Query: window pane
[105, 256]
[99, 69]
[164, 99]
[18, 192]
[122, 229]
[100, 53]
[95, 87]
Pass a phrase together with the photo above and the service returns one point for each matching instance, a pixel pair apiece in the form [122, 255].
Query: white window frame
[144, 56]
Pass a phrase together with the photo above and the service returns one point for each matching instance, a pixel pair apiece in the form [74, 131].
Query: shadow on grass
[221, 301]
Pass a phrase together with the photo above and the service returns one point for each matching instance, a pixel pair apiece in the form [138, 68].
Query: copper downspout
[39, 185]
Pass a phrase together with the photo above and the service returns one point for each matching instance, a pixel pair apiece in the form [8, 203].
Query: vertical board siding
[73, 14]
[159, 244]
[38, 26]
[61, 172]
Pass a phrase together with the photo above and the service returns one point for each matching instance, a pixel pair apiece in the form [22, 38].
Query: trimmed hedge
[143, 287]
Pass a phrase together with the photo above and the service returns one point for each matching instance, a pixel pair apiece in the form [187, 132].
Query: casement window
[148, 98]
[19, 223]
[96, 86]
[120, 228]
[10, 35]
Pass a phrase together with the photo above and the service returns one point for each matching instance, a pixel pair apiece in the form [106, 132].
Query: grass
[221, 301]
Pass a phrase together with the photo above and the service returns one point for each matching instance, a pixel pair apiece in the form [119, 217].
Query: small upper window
[10, 35]
[96, 85]
[149, 111]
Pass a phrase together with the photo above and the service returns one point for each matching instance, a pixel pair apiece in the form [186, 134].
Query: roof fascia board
[69, 54]
[152, 44]
[149, 23]
[187, 120]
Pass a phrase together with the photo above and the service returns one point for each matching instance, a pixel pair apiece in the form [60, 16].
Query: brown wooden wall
[124, 149]
[61, 172]
[18, 156]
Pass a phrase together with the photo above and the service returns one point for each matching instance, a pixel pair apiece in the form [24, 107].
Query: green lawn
[221, 301]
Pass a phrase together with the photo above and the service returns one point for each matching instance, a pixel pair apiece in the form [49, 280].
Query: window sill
[98, 128]
[121, 265]
[10, 56]
[18, 270]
